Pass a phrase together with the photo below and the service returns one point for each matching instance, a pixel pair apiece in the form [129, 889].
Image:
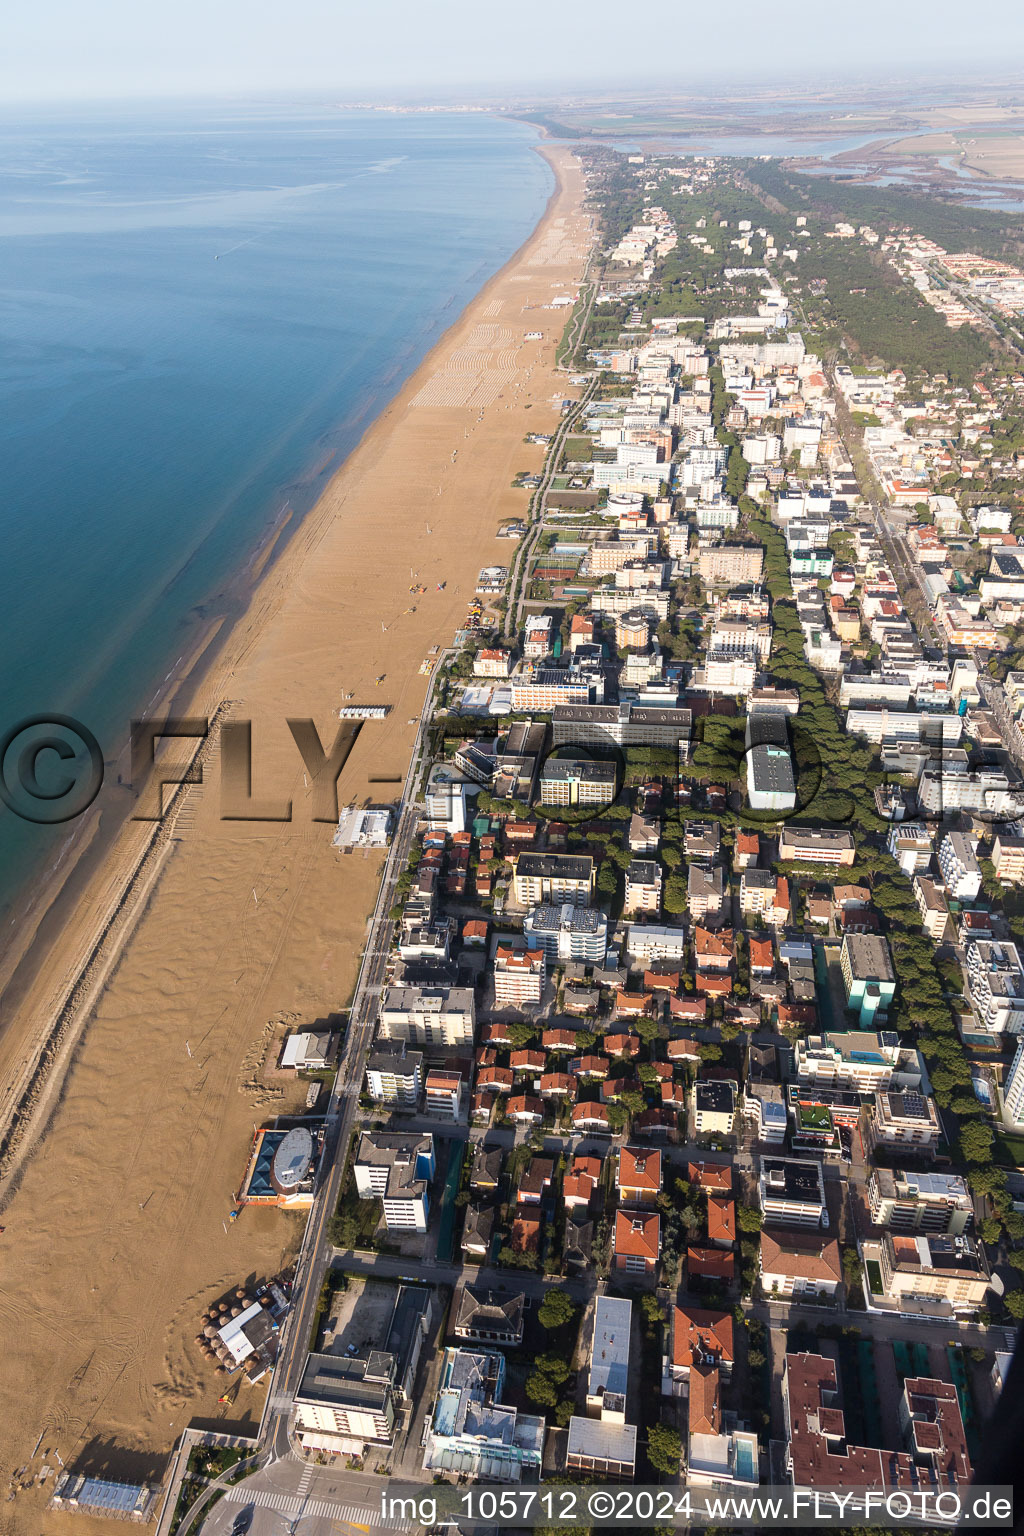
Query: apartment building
[932, 905]
[799, 1263]
[868, 974]
[343, 1404]
[568, 932]
[396, 1168]
[950, 1273]
[1008, 853]
[428, 1016]
[705, 891]
[1013, 1087]
[541, 690]
[792, 1191]
[771, 785]
[763, 1103]
[713, 1106]
[519, 977]
[442, 1094]
[537, 637]
[643, 888]
[636, 1241]
[395, 1076]
[910, 843]
[648, 942]
[470, 1430]
[819, 1453]
[904, 1121]
[572, 781]
[731, 565]
[623, 725]
[960, 868]
[860, 1059]
[909, 1201]
[816, 845]
[600, 1443]
[995, 986]
[700, 1336]
[638, 1175]
[552, 878]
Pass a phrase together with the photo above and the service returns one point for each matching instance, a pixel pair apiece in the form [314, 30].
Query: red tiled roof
[622, 1045]
[525, 1103]
[581, 1113]
[495, 1079]
[721, 1219]
[639, 1169]
[662, 981]
[637, 1234]
[527, 1061]
[709, 945]
[697, 1331]
[817, 1450]
[804, 1255]
[710, 1263]
[557, 1082]
[688, 1007]
[526, 1233]
[710, 1175]
[705, 1417]
[558, 1039]
[762, 954]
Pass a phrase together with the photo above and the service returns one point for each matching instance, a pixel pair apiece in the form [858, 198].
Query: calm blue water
[200, 311]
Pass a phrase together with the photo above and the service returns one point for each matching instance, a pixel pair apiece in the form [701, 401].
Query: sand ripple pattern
[476, 373]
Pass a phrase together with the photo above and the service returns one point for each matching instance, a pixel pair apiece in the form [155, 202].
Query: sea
[202, 307]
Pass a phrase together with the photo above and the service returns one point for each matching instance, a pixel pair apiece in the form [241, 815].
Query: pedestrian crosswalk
[355, 1517]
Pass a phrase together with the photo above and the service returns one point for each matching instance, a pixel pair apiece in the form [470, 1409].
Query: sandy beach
[115, 1213]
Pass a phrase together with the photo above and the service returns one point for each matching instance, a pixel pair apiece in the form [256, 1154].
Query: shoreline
[243, 933]
[46, 899]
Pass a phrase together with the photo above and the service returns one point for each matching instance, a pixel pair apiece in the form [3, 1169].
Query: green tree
[665, 1449]
[541, 1390]
[1014, 1301]
[556, 1309]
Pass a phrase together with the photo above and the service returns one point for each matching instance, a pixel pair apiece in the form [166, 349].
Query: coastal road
[520, 564]
[315, 1253]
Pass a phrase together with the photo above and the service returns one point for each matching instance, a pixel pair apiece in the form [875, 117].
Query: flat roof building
[396, 1168]
[868, 974]
[568, 932]
[471, 1432]
[909, 1201]
[792, 1191]
[603, 1443]
[431, 1015]
[553, 878]
[395, 1076]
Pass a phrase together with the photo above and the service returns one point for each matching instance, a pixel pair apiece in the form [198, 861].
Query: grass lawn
[1010, 1149]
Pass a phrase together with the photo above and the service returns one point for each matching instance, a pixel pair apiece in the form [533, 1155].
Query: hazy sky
[70, 49]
